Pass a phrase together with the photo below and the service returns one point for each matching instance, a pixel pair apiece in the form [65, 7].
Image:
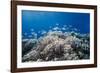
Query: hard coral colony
[56, 46]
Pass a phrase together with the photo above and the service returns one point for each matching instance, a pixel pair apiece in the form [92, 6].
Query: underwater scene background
[55, 36]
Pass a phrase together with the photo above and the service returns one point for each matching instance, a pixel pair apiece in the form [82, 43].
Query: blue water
[39, 22]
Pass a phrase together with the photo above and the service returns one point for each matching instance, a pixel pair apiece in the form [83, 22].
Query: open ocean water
[37, 23]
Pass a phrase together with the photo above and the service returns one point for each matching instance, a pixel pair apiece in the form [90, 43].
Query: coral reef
[56, 46]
